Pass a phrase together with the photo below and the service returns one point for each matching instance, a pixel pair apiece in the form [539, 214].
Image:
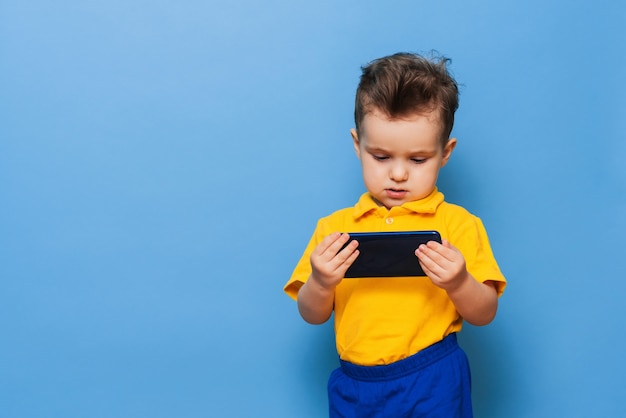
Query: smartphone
[389, 254]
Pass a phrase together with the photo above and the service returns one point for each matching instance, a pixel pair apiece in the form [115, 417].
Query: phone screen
[389, 254]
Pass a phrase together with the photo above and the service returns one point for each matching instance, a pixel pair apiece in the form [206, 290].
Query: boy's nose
[399, 172]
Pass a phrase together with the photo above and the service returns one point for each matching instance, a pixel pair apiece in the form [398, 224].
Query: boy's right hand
[328, 264]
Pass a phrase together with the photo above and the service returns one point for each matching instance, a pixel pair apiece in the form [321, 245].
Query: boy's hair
[404, 84]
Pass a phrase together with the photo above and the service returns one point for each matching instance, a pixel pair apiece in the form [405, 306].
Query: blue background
[163, 164]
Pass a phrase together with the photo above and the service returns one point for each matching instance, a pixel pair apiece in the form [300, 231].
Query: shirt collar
[426, 205]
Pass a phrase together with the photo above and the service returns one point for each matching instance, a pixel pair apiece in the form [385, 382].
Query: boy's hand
[476, 302]
[328, 264]
[443, 263]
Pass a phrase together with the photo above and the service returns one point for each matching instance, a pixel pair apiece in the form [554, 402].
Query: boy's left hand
[443, 263]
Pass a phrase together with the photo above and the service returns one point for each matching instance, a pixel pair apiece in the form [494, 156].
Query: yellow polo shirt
[383, 320]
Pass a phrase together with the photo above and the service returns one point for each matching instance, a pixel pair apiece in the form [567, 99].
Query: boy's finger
[431, 257]
[328, 241]
[441, 252]
[338, 243]
[350, 259]
[345, 253]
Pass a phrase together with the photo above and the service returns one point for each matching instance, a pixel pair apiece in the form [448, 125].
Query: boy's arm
[476, 302]
[328, 266]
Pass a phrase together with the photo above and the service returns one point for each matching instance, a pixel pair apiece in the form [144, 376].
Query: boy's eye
[418, 160]
[379, 157]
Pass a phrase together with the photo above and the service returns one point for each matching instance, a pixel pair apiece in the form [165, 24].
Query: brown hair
[404, 84]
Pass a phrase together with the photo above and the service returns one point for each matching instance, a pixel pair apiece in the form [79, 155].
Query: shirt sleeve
[471, 239]
[302, 271]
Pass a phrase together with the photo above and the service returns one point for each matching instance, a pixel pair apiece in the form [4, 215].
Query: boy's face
[401, 158]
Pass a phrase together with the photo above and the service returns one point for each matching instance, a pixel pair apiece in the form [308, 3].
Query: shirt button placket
[389, 221]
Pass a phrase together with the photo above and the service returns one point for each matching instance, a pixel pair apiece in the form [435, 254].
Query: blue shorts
[432, 383]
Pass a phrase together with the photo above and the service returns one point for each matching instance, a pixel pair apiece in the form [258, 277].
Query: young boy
[396, 337]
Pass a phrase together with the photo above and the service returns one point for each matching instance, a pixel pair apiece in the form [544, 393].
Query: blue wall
[162, 165]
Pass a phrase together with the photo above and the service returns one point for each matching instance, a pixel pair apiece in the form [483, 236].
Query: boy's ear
[447, 150]
[355, 141]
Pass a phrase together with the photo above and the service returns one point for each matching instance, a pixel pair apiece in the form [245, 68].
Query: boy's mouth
[396, 193]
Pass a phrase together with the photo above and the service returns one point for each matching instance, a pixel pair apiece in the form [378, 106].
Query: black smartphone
[389, 254]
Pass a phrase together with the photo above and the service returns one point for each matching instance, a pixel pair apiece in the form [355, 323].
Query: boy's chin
[389, 203]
